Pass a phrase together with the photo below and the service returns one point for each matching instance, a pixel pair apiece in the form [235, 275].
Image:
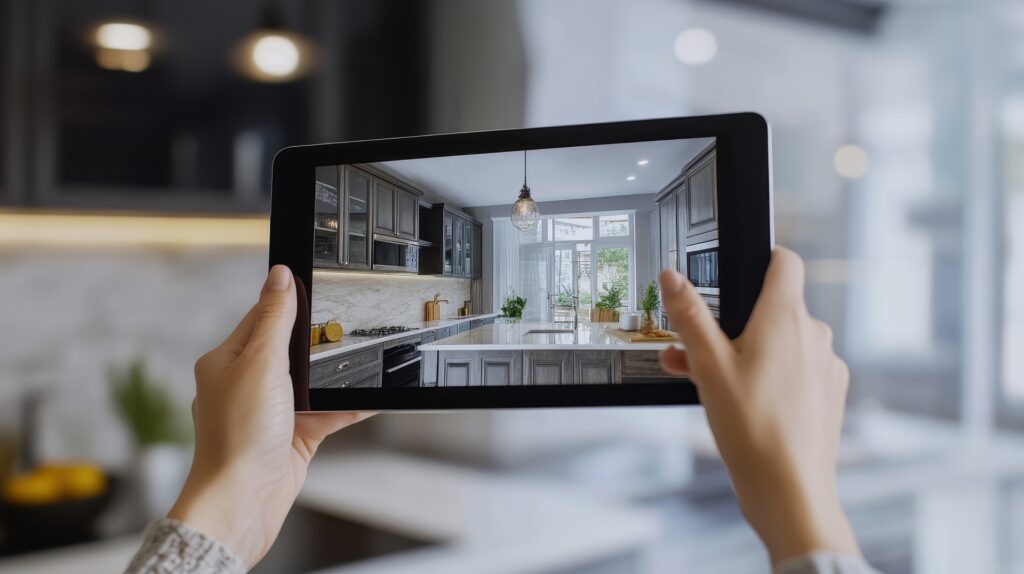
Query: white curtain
[505, 260]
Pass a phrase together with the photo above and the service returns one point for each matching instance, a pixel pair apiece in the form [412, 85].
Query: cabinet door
[547, 367]
[702, 197]
[356, 219]
[408, 215]
[456, 369]
[469, 250]
[596, 367]
[681, 228]
[655, 247]
[500, 368]
[478, 242]
[384, 207]
[460, 244]
[449, 244]
[326, 213]
[428, 374]
[667, 217]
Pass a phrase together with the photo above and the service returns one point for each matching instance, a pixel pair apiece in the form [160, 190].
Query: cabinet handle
[343, 366]
[345, 384]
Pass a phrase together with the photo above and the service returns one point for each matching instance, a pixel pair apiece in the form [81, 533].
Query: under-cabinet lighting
[91, 230]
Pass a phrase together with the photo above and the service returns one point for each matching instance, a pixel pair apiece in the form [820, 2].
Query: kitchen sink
[550, 332]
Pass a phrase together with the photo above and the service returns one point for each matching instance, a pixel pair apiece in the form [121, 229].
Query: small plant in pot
[649, 304]
[154, 420]
[606, 310]
[513, 307]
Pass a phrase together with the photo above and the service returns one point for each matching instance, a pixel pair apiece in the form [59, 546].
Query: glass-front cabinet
[449, 244]
[460, 244]
[356, 238]
[325, 217]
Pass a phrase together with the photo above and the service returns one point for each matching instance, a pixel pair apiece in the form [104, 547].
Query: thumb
[274, 314]
[704, 340]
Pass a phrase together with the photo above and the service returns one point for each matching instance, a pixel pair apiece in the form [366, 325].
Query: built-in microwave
[702, 271]
[393, 254]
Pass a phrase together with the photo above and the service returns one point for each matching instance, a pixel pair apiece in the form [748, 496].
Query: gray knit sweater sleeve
[825, 563]
[173, 547]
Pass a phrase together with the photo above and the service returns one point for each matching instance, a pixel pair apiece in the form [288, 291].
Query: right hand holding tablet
[774, 399]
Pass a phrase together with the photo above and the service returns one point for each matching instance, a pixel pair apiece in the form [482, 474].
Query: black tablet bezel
[746, 237]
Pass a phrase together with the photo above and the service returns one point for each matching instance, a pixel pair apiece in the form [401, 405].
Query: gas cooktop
[379, 331]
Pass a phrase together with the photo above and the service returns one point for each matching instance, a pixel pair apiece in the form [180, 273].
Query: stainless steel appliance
[702, 271]
[392, 254]
[401, 363]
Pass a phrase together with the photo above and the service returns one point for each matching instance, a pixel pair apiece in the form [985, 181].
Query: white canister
[629, 321]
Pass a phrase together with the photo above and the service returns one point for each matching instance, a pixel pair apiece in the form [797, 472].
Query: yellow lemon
[33, 488]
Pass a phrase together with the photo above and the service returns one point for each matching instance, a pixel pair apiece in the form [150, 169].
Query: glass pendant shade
[525, 213]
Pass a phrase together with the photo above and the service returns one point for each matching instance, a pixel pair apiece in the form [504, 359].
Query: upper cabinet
[356, 236]
[669, 251]
[325, 218]
[407, 217]
[702, 195]
[385, 214]
[453, 243]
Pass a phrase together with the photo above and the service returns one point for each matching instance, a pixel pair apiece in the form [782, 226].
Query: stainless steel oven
[392, 254]
[702, 271]
[402, 363]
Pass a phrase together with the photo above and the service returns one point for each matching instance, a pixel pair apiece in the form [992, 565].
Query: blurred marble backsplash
[70, 313]
[364, 300]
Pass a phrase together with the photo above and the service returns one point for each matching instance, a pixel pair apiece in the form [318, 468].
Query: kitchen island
[505, 354]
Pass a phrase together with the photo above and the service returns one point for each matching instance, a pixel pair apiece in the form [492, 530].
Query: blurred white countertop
[350, 343]
[508, 336]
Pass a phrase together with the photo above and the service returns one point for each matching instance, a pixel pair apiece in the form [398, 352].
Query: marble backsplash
[364, 300]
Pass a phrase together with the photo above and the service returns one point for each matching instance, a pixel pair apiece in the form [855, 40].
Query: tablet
[515, 268]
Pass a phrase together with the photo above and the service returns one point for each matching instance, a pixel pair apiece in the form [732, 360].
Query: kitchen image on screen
[532, 267]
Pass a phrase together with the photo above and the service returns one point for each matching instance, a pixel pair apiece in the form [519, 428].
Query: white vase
[160, 473]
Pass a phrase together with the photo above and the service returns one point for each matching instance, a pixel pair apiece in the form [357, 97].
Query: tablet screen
[522, 268]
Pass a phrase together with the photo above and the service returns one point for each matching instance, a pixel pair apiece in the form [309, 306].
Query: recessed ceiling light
[630, 178]
[123, 36]
[695, 46]
[643, 162]
[851, 161]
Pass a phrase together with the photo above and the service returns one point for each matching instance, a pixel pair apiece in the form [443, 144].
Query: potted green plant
[154, 420]
[513, 307]
[649, 303]
[607, 307]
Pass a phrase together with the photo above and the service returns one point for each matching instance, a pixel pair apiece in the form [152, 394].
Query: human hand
[252, 451]
[774, 399]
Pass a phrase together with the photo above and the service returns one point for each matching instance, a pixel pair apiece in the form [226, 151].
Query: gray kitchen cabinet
[596, 367]
[456, 369]
[333, 371]
[547, 367]
[478, 242]
[460, 245]
[407, 216]
[476, 323]
[356, 240]
[701, 205]
[469, 250]
[326, 211]
[644, 367]
[449, 244]
[500, 368]
[463, 326]
[384, 211]
[428, 374]
[488, 320]
[669, 252]
[369, 377]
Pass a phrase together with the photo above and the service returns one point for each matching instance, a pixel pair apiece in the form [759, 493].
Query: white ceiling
[553, 174]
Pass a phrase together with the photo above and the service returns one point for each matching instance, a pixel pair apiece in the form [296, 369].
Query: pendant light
[525, 213]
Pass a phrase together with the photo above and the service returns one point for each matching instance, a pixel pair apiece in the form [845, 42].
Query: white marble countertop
[349, 343]
[507, 337]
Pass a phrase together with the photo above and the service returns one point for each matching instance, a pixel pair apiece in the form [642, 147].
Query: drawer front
[344, 364]
[366, 377]
[640, 365]
[476, 324]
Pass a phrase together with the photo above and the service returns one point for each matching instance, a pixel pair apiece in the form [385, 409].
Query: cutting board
[656, 336]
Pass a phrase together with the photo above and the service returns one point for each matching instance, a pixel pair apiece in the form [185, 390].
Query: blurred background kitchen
[136, 139]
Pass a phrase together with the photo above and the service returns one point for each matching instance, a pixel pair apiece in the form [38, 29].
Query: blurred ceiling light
[272, 53]
[40, 230]
[851, 161]
[643, 162]
[695, 46]
[122, 60]
[123, 36]
[630, 178]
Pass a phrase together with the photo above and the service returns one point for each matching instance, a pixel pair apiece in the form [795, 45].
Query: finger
[784, 279]
[691, 317]
[674, 361]
[275, 314]
[239, 338]
[317, 426]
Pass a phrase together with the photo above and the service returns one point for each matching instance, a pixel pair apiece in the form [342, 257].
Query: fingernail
[671, 282]
[279, 278]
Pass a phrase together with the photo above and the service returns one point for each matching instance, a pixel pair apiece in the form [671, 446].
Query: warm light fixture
[525, 213]
[851, 161]
[630, 178]
[695, 46]
[643, 162]
[123, 46]
[42, 230]
[273, 54]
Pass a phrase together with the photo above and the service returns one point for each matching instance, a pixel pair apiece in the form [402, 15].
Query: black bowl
[29, 527]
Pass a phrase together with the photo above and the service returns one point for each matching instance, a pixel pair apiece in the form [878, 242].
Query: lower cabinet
[479, 368]
[501, 368]
[596, 367]
[456, 369]
[547, 367]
